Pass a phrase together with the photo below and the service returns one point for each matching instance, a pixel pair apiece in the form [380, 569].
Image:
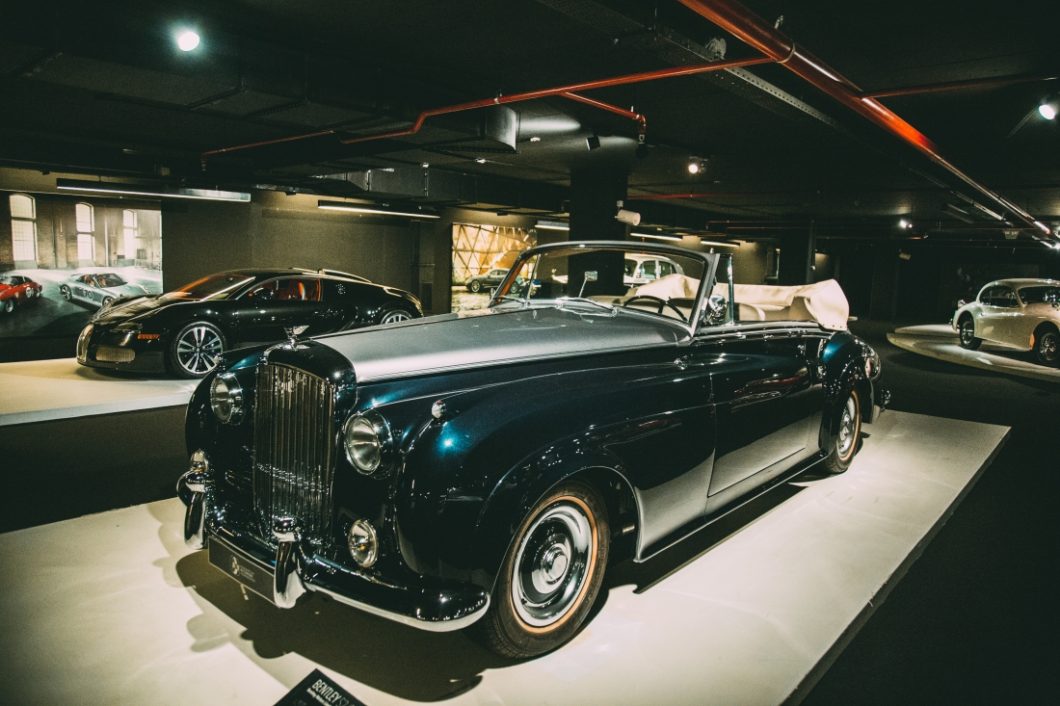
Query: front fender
[470, 479]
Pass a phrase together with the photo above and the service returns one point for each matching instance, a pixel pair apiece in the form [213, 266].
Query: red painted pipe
[569, 91]
[751, 29]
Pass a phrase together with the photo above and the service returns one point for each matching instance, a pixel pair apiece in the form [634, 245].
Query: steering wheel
[662, 303]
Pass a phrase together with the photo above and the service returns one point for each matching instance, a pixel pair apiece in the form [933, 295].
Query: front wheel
[475, 286]
[967, 334]
[551, 574]
[1047, 347]
[7, 306]
[196, 349]
[847, 436]
[65, 291]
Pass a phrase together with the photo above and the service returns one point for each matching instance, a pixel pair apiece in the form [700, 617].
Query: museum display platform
[76, 440]
[940, 341]
[112, 608]
[48, 390]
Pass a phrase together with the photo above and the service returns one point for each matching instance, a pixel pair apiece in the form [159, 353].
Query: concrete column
[594, 197]
[796, 257]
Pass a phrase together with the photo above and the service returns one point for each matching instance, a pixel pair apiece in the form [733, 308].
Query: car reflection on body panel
[1017, 313]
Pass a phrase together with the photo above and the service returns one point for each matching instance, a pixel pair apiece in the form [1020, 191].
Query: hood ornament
[293, 332]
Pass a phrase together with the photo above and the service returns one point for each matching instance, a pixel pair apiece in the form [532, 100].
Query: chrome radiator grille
[293, 440]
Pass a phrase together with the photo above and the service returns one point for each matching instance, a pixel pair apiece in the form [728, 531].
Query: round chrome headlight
[226, 398]
[365, 437]
[363, 543]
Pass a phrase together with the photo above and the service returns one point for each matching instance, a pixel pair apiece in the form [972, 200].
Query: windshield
[218, 286]
[601, 279]
[1039, 294]
[109, 280]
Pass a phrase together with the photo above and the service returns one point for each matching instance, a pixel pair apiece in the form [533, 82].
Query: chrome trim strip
[448, 625]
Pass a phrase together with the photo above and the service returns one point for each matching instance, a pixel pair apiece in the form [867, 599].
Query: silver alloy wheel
[65, 291]
[198, 349]
[967, 331]
[552, 565]
[1049, 346]
[9, 306]
[847, 427]
[395, 316]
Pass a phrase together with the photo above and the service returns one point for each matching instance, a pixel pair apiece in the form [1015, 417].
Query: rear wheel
[196, 349]
[475, 286]
[967, 334]
[1047, 346]
[65, 291]
[393, 315]
[847, 436]
[551, 574]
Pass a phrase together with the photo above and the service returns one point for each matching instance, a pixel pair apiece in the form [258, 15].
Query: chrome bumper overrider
[435, 608]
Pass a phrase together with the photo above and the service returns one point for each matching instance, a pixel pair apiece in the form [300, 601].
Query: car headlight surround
[367, 441]
[226, 398]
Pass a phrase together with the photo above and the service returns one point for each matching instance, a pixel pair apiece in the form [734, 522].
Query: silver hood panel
[493, 337]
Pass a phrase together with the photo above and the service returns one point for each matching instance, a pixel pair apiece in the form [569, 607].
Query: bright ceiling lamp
[372, 210]
[113, 188]
[188, 40]
[1047, 110]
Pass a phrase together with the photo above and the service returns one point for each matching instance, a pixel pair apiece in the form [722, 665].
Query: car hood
[123, 311]
[494, 337]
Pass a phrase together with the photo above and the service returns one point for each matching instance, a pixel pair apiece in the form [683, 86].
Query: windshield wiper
[560, 301]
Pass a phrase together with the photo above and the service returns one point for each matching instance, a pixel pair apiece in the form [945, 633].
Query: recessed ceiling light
[535, 138]
[480, 160]
[425, 165]
[1047, 111]
[188, 40]
[693, 167]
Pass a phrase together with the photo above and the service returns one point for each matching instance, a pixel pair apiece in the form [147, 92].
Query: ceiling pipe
[569, 91]
[751, 29]
[966, 85]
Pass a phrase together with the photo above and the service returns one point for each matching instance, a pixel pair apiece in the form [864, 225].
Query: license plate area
[247, 570]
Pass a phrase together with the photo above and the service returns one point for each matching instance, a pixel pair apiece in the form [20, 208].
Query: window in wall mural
[61, 258]
[482, 255]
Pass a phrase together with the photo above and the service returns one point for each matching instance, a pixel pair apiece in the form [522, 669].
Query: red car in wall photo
[16, 290]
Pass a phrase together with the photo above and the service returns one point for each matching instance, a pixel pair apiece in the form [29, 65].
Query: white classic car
[1018, 313]
[98, 289]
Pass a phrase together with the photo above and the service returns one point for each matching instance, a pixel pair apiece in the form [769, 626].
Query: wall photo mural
[63, 258]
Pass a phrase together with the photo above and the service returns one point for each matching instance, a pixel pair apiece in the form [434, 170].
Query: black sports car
[186, 330]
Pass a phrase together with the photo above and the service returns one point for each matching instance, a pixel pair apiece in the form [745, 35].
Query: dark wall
[275, 230]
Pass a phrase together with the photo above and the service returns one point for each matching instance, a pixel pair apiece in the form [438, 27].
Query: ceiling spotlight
[696, 165]
[480, 160]
[535, 138]
[592, 142]
[188, 40]
[905, 223]
[1047, 110]
[425, 165]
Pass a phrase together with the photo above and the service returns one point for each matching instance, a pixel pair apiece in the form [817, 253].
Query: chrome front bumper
[415, 601]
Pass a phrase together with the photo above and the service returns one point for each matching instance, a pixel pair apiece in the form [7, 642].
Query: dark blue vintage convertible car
[485, 467]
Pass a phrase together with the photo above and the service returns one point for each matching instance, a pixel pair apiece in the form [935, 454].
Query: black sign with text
[318, 690]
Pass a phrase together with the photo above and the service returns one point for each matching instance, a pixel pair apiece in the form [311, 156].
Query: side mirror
[715, 311]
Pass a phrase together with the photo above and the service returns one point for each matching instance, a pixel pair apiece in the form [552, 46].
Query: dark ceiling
[100, 89]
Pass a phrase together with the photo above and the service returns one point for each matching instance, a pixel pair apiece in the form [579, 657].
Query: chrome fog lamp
[365, 438]
[363, 543]
[226, 398]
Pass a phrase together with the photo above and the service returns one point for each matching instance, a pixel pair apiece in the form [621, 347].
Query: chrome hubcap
[552, 565]
[967, 332]
[847, 424]
[395, 316]
[1048, 347]
[198, 350]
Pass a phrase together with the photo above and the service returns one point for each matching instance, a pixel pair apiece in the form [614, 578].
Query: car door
[996, 304]
[768, 395]
[276, 304]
